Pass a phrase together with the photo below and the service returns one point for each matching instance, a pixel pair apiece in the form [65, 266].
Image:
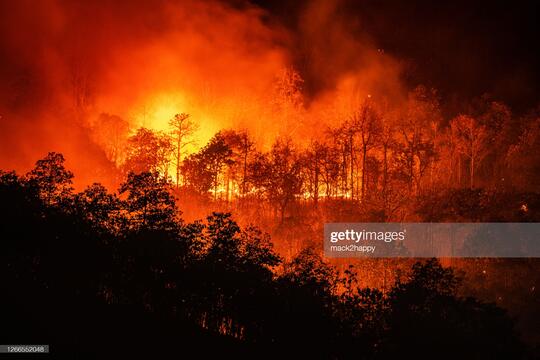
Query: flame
[158, 109]
[145, 63]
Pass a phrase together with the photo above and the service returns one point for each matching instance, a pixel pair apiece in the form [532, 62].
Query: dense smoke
[65, 66]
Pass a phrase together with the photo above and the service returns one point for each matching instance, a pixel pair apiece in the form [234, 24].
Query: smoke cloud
[63, 64]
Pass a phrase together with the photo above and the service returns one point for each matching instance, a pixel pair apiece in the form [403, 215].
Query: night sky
[462, 48]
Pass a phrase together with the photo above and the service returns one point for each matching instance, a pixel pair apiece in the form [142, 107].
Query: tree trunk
[316, 185]
[178, 156]
[352, 166]
[385, 180]
[244, 174]
[472, 172]
[459, 170]
[364, 156]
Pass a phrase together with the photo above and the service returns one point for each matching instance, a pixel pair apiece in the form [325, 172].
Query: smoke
[342, 65]
[63, 64]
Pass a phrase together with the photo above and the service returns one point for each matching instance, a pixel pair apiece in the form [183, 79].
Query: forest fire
[124, 123]
[227, 74]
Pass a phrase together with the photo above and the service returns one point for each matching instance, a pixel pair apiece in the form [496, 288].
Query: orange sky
[69, 62]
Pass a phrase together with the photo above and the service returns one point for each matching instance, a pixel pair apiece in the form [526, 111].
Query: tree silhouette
[471, 142]
[93, 267]
[278, 175]
[149, 201]
[51, 179]
[427, 315]
[111, 132]
[148, 151]
[204, 169]
[242, 148]
[182, 132]
[416, 150]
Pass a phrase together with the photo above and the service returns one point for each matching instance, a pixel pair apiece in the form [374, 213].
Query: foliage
[148, 151]
[92, 264]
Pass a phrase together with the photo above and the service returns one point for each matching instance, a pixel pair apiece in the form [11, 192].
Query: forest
[167, 169]
[218, 246]
[100, 274]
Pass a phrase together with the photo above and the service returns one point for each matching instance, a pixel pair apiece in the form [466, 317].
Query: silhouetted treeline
[118, 275]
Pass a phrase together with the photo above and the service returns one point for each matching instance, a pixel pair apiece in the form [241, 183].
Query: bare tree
[242, 147]
[471, 137]
[366, 122]
[418, 128]
[182, 132]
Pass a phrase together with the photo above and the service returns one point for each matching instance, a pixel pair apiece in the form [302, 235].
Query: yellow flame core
[155, 111]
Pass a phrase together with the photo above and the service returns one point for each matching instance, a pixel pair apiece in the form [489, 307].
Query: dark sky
[462, 48]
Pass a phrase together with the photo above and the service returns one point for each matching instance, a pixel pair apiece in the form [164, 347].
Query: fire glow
[145, 63]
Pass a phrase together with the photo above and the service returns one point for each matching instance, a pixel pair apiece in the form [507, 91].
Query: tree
[196, 174]
[148, 151]
[471, 138]
[306, 289]
[221, 286]
[98, 206]
[278, 175]
[330, 169]
[417, 126]
[242, 148]
[149, 201]
[388, 145]
[111, 132]
[341, 144]
[204, 169]
[51, 179]
[182, 132]
[312, 162]
[503, 130]
[366, 122]
[233, 256]
[522, 158]
[426, 315]
[348, 145]
[288, 100]
[309, 269]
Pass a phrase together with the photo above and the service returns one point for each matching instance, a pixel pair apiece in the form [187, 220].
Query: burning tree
[242, 147]
[182, 132]
[277, 175]
[51, 179]
[471, 137]
[418, 128]
[149, 201]
[148, 151]
[366, 122]
[204, 169]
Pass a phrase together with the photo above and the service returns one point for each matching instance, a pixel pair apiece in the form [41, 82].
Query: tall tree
[98, 206]
[288, 100]
[278, 175]
[148, 151]
[242, 147]
[204, 170]
[387, 143]
[312, 169]
[366, 122]
[182, 132]
[111, 132]
[417, 126]
[51, 179]
[149, 201]
[471, 137]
